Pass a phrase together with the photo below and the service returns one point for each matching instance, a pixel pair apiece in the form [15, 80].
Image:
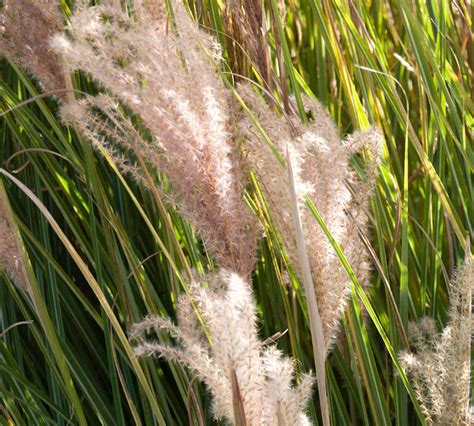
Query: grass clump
[198, 112]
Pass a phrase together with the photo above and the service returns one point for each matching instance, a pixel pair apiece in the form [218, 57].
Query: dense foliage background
[104, 253]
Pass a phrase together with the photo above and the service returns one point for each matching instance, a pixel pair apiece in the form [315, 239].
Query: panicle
[151, 68]
[12, 258]
[102, 120]
[322, 172]
[264, 376]
[26, 27]
[287, 401]
[439, 366]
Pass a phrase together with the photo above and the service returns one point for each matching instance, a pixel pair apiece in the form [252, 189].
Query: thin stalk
[315, 323]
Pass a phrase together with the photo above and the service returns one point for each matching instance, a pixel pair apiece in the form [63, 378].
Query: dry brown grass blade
[237, 402]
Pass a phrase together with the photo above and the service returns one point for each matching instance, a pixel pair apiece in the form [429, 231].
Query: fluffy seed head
[26, 27]
[322, 172]
[439, 366]
[150, 68]
[263, 375]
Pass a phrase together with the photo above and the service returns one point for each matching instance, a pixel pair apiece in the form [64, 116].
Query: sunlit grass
[105, 252]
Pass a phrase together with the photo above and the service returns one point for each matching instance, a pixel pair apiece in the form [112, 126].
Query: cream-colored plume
[167, 76]
[439, 366]
[321, 168]
[236, 365]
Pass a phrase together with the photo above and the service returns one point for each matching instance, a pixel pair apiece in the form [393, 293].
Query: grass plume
[322, 171]
[236, 358]
[439, 365]
[103, 253]
[152, 70]
[26, 28]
